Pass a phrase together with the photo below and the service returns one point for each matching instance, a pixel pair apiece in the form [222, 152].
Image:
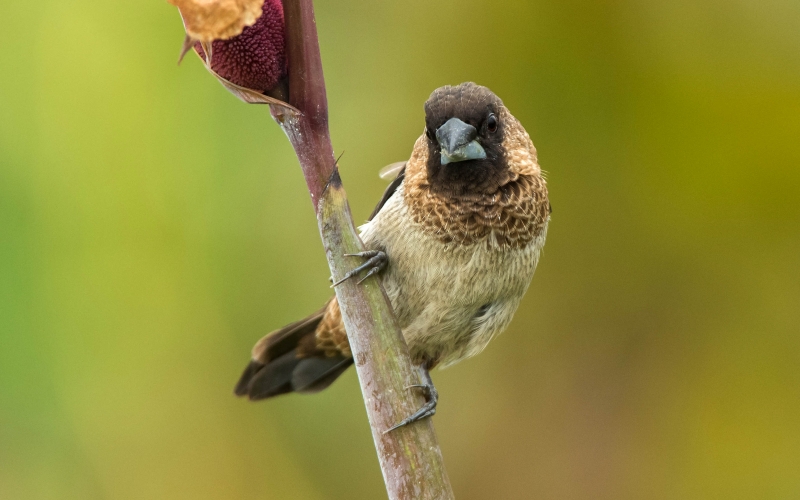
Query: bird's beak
[457, 140]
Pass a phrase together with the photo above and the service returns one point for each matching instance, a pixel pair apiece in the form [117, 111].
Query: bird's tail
[279, 367]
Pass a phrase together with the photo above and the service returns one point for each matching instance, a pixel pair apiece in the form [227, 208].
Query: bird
[455, 240]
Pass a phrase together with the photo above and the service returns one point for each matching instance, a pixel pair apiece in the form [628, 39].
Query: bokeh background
[152, 227]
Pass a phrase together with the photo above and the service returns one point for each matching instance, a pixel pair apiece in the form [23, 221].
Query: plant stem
[410, 457]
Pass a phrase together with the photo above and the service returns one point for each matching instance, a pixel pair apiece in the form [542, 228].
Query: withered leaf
[208, 20]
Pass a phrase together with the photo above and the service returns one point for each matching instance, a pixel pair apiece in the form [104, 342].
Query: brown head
[473, 175]
[472, 144]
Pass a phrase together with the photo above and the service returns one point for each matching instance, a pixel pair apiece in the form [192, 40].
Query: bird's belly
[452, 300]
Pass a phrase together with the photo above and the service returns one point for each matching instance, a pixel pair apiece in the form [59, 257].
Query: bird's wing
[391, 189]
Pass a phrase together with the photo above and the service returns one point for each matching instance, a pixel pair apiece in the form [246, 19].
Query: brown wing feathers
[305, 356]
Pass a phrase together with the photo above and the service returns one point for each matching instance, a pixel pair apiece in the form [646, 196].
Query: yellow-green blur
[152, 228]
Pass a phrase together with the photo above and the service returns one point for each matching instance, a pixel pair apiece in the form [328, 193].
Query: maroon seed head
[256, 58]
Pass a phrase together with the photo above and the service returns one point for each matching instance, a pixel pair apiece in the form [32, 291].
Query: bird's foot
[376, 262]
[427, 410]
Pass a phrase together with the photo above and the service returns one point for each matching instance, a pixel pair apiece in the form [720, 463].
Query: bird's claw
[427, 410]
[376, 262]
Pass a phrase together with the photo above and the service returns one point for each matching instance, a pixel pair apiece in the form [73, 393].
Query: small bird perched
[456, 238]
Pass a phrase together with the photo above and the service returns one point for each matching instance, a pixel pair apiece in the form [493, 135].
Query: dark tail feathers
[276, 368]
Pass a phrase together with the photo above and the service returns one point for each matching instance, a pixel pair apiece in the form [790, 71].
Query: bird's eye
[491, 123]
[430, 133]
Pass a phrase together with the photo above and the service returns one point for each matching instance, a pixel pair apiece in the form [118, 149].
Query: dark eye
[430, 133]
[491, 123]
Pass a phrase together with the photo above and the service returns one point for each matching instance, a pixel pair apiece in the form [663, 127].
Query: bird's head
[472, 144]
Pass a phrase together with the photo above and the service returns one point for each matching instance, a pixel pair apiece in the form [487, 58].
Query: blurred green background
[152, 227]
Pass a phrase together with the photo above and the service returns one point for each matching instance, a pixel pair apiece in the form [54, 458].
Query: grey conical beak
[457, 140]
